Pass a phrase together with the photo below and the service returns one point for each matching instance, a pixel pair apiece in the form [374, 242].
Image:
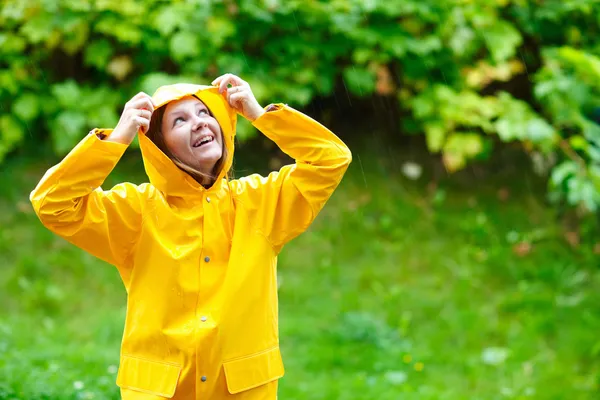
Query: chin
[209, 160]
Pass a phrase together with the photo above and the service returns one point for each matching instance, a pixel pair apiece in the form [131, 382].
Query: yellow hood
[162, 172]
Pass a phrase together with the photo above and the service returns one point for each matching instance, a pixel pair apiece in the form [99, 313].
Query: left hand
[239, 96]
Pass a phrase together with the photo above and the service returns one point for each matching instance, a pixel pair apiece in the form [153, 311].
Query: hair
[155, 134]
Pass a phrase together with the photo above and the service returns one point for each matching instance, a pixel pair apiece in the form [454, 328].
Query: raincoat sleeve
[69, 201]
[286, 202]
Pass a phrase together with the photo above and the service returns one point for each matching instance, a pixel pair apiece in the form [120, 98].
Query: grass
[393, 293]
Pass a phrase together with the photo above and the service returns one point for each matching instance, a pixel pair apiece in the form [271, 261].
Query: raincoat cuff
[270, 109]
[101, 133]
[97, 137]
[274, 107]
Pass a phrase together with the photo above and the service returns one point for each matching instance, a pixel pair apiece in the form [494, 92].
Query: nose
[199, 122]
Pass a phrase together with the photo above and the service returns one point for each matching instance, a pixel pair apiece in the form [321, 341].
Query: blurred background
[459, 258]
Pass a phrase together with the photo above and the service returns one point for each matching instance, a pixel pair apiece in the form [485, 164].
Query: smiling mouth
[203, 141]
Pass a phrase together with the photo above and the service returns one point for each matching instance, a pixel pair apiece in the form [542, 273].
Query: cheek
[175, 141]
[219, 135]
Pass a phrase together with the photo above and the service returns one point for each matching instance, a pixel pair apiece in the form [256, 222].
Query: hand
[136, 115]
[239, 96]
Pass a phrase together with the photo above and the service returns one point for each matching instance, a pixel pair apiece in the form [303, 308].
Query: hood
[161, 171]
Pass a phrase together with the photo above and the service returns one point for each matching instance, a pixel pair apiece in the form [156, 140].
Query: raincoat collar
[162, 172]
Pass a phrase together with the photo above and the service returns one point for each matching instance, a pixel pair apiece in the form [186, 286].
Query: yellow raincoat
[199, 265]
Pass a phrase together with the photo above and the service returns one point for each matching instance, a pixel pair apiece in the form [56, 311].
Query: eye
[203, 111]
[177, 120]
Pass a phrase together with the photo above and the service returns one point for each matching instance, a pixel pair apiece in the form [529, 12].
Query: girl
[197, 253]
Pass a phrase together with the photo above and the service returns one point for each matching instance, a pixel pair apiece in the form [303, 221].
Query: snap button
[203, 318]
[203, 379]
[207, 259]
[208, 199]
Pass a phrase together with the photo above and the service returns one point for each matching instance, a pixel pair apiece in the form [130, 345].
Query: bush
[466, 74]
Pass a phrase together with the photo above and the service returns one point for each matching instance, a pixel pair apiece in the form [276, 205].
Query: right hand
[136, 115]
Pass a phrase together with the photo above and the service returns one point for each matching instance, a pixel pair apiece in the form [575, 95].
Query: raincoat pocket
[253, 371]
[153, 377]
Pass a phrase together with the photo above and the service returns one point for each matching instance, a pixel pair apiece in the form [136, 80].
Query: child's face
[192, 134]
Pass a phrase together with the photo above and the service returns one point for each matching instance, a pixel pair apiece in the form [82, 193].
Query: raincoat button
[208, 199]
[207, 259]
[203, 318]
[203, 379]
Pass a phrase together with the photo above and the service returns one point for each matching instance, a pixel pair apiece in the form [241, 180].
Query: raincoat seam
[251, 355]
[170, 363]
[137, 389]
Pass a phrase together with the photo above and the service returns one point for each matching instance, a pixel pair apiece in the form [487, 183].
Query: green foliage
[470, 72]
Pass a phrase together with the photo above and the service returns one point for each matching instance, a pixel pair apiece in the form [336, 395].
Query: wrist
[257, 114]
[117, 136]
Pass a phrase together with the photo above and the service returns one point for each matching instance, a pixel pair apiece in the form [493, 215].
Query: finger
[220, 78]
[224, 82]
[237, 99]
[138, 96]
[217, 80]
[145, 114]
[143, 102]
[232, 90]
[142, 123]
[230, 78]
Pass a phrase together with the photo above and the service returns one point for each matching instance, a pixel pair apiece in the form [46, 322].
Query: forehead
[182, 104]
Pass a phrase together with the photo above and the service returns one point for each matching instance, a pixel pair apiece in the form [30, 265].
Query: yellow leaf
[119, 67]
[453, 161]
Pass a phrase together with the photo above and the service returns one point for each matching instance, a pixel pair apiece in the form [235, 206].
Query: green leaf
[461, 40]
[538, 130]
[590, 197]
[112, 25]
[67, 129]
[299, 95]
[168, 18]
[425, 45]
[362, 55]
[98, 54]
[103, 116]
[26, 107]
[184, 45]
[582, 192]
[578, 142]
[563, 171]
[591, 131]
[38, 28]
[232, 62]
[66, 93]
[435, 134]
[11, 131]
[74, 39]
[150, 82]
[8, 82]
[468, 145]
[502, 40]
[423, 105]
[219, 30]
[359, 81]
[324, 83]
[11, 44]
